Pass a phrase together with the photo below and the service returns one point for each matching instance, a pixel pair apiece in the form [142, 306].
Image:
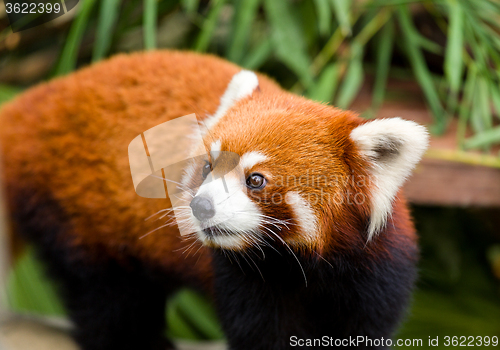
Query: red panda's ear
[393, 147]
[241, 85]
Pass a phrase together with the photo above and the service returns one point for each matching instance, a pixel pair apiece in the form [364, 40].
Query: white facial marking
[215, 148]
[236, 214]
[226, 242]
[304, 214]
[393, 146]
[250, 159]
[242, 85]
[237, 218]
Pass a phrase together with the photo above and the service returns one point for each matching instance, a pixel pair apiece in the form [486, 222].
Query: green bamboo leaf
[475, 119]
[484, 40]
[324, 15]
[453, 64]
[7, 93]
[486, 8]
[478, 50]
[150, 17]
[385, 3]
[481, 118]
[483, 11]
[245, 12]
[306, 15]
[428, 44]
[420, 69]
[465, 108]
[190, 6]
[29, 290]
[200, 313]
[258, 55]
[327, 52]
[492, 35]
[372, 27]
[178, 326]
[69, 55]
[288, 40]
[484, 139]
[108, 14]
[209, 25]
[383, 63]
[127, 18]
[495, 97]
[353, 78]
[324, 89]
[342, 12]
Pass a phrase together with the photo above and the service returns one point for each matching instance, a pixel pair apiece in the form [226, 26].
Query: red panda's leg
[115, 308]
[112, 305]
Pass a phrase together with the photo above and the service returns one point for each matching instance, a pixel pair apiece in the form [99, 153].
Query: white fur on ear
[393, 146]
[241, 85]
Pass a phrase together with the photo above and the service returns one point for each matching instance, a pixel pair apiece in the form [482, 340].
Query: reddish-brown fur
[69, 138]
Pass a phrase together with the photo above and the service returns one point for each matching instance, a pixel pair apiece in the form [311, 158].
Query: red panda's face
[284, 170]
[269, 178]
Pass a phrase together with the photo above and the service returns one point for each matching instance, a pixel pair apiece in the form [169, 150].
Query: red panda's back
[66, 141]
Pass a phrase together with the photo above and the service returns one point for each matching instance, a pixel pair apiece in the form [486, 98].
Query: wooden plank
[446, 183]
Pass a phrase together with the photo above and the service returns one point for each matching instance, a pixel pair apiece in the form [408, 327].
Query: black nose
[202, 208]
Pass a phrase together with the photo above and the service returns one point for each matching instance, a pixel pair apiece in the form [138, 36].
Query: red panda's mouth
[213, 231]
[209, 232]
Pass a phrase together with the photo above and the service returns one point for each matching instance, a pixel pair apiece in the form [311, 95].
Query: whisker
[181, 185]
[228, 197]
[156, 229]
[192, 244]
[323, 259]
[158, 212]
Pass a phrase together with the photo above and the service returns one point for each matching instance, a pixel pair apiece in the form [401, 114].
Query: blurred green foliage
[457, 292]
[325, 44]
[7, 93]
[324, 49]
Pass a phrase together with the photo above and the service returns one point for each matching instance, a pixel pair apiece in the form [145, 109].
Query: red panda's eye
[256, 181]
[207, 168]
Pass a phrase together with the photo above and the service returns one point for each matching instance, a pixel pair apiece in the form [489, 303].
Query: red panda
[317, 242]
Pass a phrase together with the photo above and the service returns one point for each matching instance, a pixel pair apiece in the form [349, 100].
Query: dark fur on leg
[116, 309]
[112, 305]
